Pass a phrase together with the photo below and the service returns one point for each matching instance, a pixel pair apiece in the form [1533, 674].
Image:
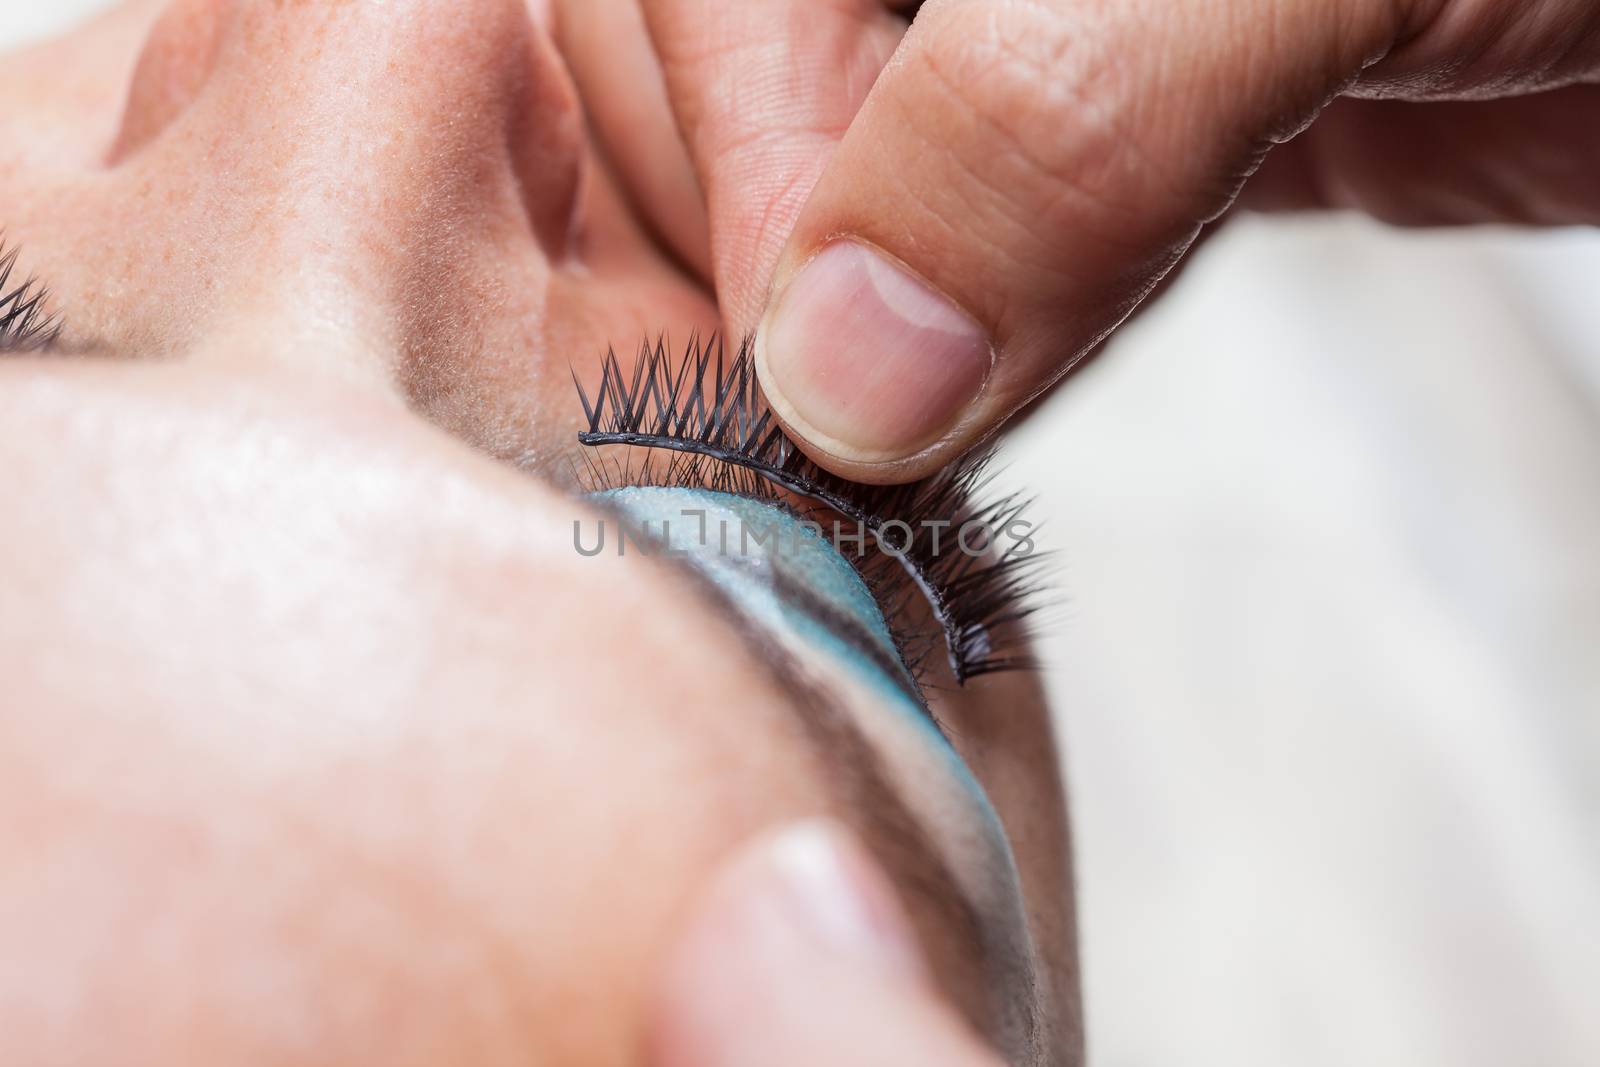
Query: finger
[1021, 177]
[603, 40]
[1524, 160]
[800, 955]
[762, 91]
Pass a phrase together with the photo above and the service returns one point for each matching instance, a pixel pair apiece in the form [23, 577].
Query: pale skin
[319, 743]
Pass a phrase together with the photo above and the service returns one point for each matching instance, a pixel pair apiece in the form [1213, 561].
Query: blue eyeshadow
[779, 570]
[717, 534]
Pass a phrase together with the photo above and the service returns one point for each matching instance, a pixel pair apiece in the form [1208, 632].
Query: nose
[331, 124]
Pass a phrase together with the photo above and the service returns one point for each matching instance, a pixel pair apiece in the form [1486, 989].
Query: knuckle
[1048, 113]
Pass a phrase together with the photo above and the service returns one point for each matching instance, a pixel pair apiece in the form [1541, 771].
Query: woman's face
[321, 740]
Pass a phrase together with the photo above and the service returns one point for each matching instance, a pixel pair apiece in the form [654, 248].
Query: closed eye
[709, 416]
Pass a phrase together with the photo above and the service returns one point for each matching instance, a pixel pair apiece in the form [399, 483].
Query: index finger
[763, 91]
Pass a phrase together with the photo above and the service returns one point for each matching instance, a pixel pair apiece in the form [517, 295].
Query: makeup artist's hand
[799, 955]
[1025, 171]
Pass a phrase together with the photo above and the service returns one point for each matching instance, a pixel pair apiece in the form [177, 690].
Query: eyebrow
[892, 831]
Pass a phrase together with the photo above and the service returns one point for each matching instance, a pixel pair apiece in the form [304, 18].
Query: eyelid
[855, 634]
[786, 578]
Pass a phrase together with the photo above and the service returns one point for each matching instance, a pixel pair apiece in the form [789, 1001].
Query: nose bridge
[443, 64]
[416, 100]
[366, 118]
[352, 176]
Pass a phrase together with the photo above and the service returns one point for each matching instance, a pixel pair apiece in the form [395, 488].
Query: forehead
[288, 725]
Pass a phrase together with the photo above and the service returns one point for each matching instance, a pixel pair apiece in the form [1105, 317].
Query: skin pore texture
[320, 742]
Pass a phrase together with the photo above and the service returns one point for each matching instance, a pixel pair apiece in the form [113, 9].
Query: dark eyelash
[710, 413]
[25, 322]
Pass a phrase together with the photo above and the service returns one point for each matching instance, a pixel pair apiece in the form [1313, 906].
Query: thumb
[1023, 174]
[800, 955]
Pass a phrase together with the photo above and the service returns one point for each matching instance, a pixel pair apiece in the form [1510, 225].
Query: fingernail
[867, 361]
[815, 890]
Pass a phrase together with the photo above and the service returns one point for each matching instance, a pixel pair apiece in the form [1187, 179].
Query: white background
[1329, 655]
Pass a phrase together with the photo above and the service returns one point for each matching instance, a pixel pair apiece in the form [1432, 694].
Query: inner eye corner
[28, 321]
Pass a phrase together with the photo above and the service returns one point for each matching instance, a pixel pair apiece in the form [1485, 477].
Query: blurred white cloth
[1329, 660]
[1329, 663]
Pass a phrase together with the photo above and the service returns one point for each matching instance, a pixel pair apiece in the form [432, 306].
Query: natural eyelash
[25, 323]
[709, 411]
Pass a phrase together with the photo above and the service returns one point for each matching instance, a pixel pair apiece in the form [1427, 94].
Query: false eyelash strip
[25, 325]
[711, 413]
